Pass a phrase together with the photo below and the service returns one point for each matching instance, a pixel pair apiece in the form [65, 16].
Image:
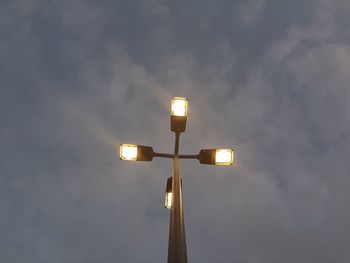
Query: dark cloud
[266, 77]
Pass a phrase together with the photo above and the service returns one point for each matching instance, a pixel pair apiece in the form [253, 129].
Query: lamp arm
[163, 155]
[188, 156]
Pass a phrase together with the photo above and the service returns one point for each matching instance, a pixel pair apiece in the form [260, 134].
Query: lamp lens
[179, 106]
[168, 197]
[224, 157]
[128, 152]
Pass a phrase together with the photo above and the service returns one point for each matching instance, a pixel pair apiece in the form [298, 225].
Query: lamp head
[168, 193]
[216, 156]
[133, 152]
[179, 111]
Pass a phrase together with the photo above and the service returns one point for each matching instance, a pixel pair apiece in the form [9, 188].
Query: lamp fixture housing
[179, 112]
[133, 152]
[216, 156]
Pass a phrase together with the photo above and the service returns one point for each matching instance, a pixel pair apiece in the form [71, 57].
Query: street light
[216, 156]
[178, 117]
[169, 193]
[133, 152]
[177, 251]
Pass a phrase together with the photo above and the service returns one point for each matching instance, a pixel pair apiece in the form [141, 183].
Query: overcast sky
[269, 78]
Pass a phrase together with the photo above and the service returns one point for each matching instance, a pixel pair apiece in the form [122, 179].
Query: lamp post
[177, 251]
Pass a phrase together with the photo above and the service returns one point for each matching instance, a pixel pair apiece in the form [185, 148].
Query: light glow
[168, 199]
[224, 157]
[179, 106]
[128, 152]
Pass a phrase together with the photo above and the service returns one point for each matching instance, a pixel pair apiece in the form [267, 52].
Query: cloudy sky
[269, 78]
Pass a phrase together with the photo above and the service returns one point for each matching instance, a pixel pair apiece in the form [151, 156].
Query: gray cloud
[268, 78]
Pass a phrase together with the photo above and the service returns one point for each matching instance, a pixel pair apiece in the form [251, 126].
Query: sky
[268, 78]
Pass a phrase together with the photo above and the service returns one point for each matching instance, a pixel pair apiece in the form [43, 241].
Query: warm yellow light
[179, 106]
[224, 156]
[168, 200]
[128, 152]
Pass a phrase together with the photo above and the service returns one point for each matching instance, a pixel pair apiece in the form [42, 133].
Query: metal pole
[177, 251]
[177, 143]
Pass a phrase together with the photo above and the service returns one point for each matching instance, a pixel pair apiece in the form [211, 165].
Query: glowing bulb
[224, 157]
[179, 106]
[168, 199]
[128, 152]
